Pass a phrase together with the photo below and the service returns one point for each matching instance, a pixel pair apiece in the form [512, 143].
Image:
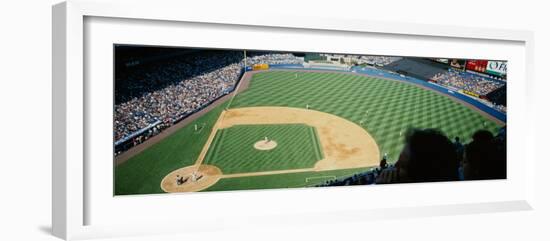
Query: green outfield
[384, 108]
[233, 148]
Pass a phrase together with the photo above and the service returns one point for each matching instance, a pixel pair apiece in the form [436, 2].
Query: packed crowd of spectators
[175, 101]
[159, 95]
[139, 80]
[429, 156]
[466, 81]
[266, 58]
[500, 107]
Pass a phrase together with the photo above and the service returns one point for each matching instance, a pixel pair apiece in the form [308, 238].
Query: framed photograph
[203, 119]
[198, 122]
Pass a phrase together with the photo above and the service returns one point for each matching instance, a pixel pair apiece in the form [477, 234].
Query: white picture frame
[72, 192]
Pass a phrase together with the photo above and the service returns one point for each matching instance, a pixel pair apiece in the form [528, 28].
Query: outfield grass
[392, 106]
[232, 149]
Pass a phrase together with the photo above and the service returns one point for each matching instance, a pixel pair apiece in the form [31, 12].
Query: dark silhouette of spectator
[459, 148]
[485, 157]
[428, 156]
[501, 135]
[383, 163]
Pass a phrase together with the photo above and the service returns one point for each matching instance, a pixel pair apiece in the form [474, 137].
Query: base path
[345, 144]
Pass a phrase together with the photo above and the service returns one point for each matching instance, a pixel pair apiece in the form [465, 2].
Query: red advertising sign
[476, 65]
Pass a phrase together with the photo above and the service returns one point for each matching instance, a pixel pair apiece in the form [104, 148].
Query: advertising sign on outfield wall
[457, 63]
[477, 65]
[496, 68]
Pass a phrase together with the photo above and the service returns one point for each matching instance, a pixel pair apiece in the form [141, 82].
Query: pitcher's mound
[264, 145]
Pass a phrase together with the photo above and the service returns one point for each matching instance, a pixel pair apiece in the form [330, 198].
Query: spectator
[428, 156]
[383, 163]
[459, 148]
[483, 158]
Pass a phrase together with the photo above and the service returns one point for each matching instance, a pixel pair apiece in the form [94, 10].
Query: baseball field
[284, 128]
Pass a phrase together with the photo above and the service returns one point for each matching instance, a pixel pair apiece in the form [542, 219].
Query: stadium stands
[150, 98]
[378, 60]
[135, 81]
[270, 58]
[467, 81]
[174, 101]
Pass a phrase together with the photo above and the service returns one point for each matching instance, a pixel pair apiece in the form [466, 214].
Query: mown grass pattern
[392, 106]
[232, 149]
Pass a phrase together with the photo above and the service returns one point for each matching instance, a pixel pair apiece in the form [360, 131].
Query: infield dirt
[344, 144]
